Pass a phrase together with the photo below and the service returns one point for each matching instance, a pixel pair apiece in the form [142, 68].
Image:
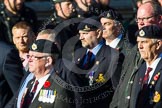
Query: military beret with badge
[59, 1]
[90, 24]
[44, 46]
[111, 14]
[151, 31]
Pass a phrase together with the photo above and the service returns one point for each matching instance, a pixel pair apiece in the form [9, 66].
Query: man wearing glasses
[39, 88]
[148, 13]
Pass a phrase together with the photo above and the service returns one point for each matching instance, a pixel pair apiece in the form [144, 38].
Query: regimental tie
[146, 78]
[144, 89]
[88, 60]
[29, 96]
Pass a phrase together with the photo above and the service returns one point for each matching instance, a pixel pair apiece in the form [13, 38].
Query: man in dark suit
[39, 88]
[147, 90]
[133, 61]
[113, 33]
[23, 37]
[11, 73]
[95, 64]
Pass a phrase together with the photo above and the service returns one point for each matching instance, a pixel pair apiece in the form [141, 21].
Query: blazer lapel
[80, 56]
[157, 70]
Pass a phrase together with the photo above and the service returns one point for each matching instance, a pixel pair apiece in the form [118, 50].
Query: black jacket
[11, 73]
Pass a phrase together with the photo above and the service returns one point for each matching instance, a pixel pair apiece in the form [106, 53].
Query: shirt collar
[115, 42]
[96, 48]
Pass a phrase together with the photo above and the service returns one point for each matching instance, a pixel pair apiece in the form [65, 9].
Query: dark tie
[146, 78]
[29, 96]
[143, 92]
[88, 60]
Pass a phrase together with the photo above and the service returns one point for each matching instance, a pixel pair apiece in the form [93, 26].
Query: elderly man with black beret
[147, 89]
[39, 89]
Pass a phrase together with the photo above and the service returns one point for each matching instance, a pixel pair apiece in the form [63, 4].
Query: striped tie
[29, 96]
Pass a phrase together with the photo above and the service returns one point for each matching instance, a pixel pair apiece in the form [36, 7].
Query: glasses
[144, 19]
[35, 57]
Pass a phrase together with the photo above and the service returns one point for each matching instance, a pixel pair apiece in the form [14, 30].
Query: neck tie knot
[146, 77]
[149, 69]
[35, 86]
[87, 61]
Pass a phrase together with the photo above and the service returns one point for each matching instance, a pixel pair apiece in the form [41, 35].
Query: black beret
[59, 1]
[111, 14]
[151, 31]
[90, 24]
[44, 46]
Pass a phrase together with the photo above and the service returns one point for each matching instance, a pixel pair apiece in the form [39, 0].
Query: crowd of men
[81, 57]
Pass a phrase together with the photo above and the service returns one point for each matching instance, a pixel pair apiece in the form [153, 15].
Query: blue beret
[151, 31]
[44, 46]
[90, 24]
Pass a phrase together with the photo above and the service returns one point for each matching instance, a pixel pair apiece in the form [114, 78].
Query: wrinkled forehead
[35, 53]
[82, 31]
[145, 10]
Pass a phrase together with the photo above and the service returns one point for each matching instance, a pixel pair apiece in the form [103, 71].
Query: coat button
[128, 97]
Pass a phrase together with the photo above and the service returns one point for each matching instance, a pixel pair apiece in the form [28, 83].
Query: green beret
[44, 46]
[151, 31]
[90, 24]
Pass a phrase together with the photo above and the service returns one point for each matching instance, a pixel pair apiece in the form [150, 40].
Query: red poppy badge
[47, 84]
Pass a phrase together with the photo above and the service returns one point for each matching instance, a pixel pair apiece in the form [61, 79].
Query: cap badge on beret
[141, 33]
[86, 27]
[34, 46]
[108, 15]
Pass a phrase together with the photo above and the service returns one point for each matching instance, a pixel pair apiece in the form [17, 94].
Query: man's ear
[159, 44]
[48, 61]
[57, 6]
[99, 31]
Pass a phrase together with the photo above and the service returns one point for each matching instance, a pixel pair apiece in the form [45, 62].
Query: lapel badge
[100, 79]
[156, 77]
[34, 46]
[78, 59]
[32, 82]
[142, 33]
[79, 16]
[91, 74]
[156, 97]
[47, 84]
[153, 82]
[97, 62]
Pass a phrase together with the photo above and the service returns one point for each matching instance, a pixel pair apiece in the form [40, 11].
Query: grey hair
[155, 40]
[117, 23]
[50, 32]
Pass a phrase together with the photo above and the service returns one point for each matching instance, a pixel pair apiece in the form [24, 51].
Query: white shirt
[114, 43]
[40, 85]
[153, 66]
[23, 87]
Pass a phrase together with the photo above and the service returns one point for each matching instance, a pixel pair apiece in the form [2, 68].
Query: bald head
[149, 13]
